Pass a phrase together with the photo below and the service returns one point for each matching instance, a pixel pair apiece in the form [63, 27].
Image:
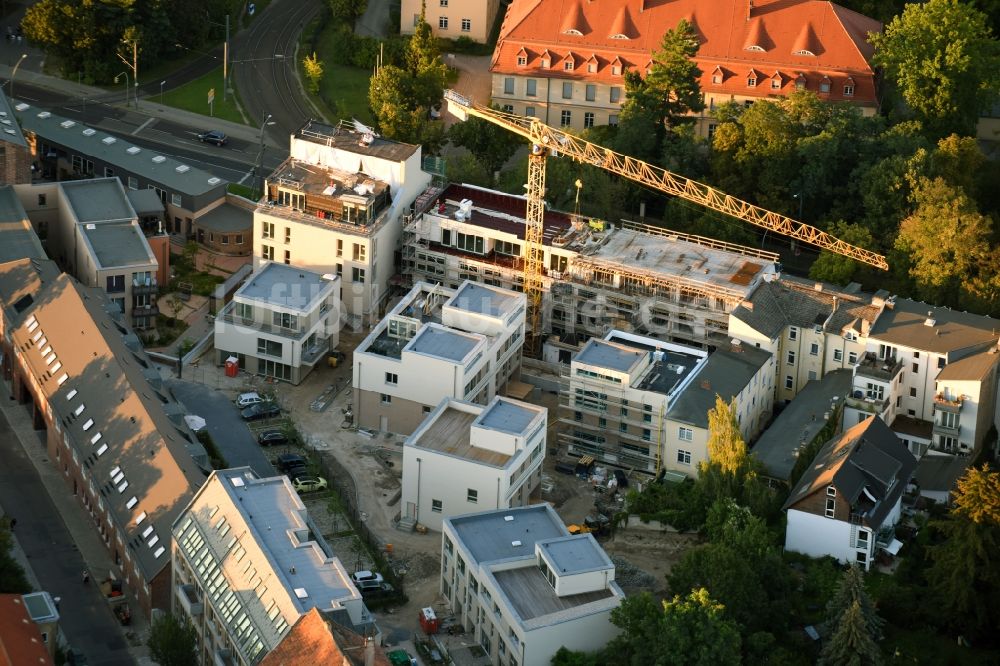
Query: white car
[367, 580]
[244, 400]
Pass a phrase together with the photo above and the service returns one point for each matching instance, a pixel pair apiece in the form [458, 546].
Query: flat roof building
[18, 239]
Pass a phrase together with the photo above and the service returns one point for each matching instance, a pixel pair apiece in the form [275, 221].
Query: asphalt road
[223, 422]
[85, 618]
[269, 85]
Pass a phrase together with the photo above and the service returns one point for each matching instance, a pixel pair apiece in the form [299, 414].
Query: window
[466, 25]
[443, 22]
[175, 199]
[577, 416]
[470, 243]
[831, 507]
[522, 60]
[647, 434]
[267, 252]
[507, 248]
[436, 505]
[115, 284]
[568, 65]
[949, 420]
[875, 391]
[284, 320]
[546, 63]
[613, 120]
[288, 256]
[852, 358]
[716, 79]
[268, 347]
[531, 87]
[359, 252]
[444, 3]
[391, 378]
[800, 83]
[472, 496]
[751, 82]
[685, 434]
[591, 92]
[357, 275]
[133, 183]
[683, 457]
[41, 199]
[602, 422]
[789, 382]
[225, 239]
[793, 333]
[913, 393]
[947, 443]
[588, 120]
[425, 409]
[416, 20]
[565, 118]
[790, 358]
[567, 90]
[267, 230]
[941, 362]
[824, 86]
[886, 352]
[386, 399]
[775, 84]
[615, 94]
[340, 247]
[848, 90]
[623, 427]
[838, 355]
[508, 85]
[508, 108]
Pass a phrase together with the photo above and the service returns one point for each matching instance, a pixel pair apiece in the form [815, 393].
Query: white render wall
[818, 536]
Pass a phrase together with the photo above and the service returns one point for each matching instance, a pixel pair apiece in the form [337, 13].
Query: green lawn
[343, 91]
[194, 97]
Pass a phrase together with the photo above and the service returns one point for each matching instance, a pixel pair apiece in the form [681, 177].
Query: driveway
[223, 422]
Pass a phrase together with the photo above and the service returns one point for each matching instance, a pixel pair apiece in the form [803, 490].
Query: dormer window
[568, 66]
[800, 82]
[591, 68]
[522, 60]
[804, 52]
[751, 81]
[619, 36]
[546, 63]
[824, 86]
[716, 79]
[574, 32]
[849, 87]
[754, 47]
[776, 81]
[616, 70]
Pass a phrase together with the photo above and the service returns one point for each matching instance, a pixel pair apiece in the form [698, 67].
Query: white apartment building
[466, 457]
[281, 322]
[336, 205]
[849, 501]
[598, 277]
[523, 587]
[437, 343]
[248, 562]
[642, 403]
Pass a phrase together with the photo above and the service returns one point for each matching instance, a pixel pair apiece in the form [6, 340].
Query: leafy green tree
[172, 641]
[851, 590]
[491, 144]
[837, 268]
[964, 574]
[690, 629]
[313, 69]
[465, 168]
[943, 59]
[672, 83]
[851, 643]
[946, 238]
[347, 11]
[726, 447]
[12, 578]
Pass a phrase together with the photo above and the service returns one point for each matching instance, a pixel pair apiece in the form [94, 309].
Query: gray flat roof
[285, 286]
[98, 199]
[532, 596]
[610, 355]
[800, 420]
[227, 218]
[575, 554]
[145, 202]
[11, 130]
[118, 244]
[483, 299]
[169, 172]
[18, 239]
[346, 138]
[509, 416]
[489, 537]
[725, 373]
[441, 342]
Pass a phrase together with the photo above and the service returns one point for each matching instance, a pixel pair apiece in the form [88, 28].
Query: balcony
[943, 404]
[868, 405]
[148, 310]
[946, 430]
[147, 286]
[331, 222]
[228, 315]
[884, 370]
[190, 600]
[223, 658]
[315, 351]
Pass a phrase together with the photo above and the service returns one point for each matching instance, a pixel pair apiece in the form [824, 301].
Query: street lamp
[260, 155]
[161, 91]
[125, 74]
[14, 73]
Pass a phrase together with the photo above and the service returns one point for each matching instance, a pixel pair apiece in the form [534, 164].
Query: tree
[12, 578]
[946, 239]
[314, 72]
[347, 11]
[172, 641]
[850, 591]
[726, 447]
[836, 268]
[964, 574]
[489, 143]
[942, 58]
[851, 644]
[672, 87]
[691, 629]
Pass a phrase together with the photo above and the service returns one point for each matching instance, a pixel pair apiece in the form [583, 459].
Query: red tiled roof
[20, 639]
[311, 641]
[837, 38]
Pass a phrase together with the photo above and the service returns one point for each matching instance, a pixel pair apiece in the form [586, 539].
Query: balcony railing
[190, 600]
[869, 405]
[946, 430]
[148, 286]
[315, 351]
[150, 310]
[943, 404]
[229, 317]
[311, 217]
[884, 369]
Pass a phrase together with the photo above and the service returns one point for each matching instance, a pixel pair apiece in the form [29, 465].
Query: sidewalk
[147, 107]
[78, 523]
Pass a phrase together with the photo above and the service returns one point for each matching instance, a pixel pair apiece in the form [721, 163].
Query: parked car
[367, 580]
[565, 468]
[289, 461]
[261, 410]
[244, 400]
[272, 438]
[308, 484]
[213, 136]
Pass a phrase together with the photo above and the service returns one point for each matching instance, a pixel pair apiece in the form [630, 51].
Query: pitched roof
[20, 638]
[868, 466]
[632, 29]
[313, 640]
[905, 323]
[726, 372]
[970, 368]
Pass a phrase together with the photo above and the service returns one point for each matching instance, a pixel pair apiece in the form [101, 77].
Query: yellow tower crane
[547, 141]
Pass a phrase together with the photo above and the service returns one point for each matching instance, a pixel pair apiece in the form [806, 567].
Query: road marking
[67, 108]
[30, 99]
[143, 126]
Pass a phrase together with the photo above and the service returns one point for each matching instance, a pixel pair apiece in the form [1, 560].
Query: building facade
[565, 62]
[451, 19]
[337, 205]
[641, 403]
[523, 587]
[281, 322]
[497, 451]
[437, 343]
[849, 501]
[248, 563]
[111, 431]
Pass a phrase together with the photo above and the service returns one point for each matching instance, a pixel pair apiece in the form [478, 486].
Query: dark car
[565, 468]
[262, 410]
[213, 136]
[272, 438]
[287, 462]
